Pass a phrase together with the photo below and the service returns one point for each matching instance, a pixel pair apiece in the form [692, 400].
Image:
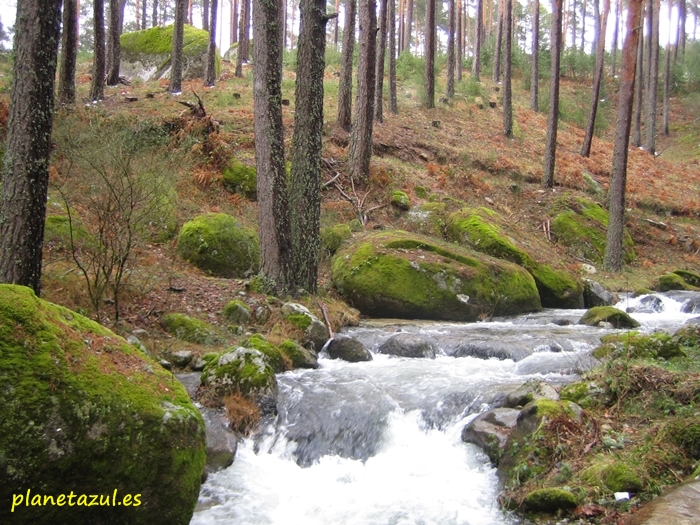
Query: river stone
[348, 349]
[651, 304]
[490, 430]
[411, 276]
[82, 410]
[237, 312]
[408, 345]
[530, 391]
[679, 506]
[181, 358]
[595, 294]
[222, 443]
[550, 500]
[191, 382]
[301, 357]
[608, 314]
[691, 306]
[315, 331]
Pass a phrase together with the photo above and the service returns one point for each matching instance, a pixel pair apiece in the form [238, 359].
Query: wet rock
[409, 345]
[530, 391]
[595, 294]
[181, 358]
[222, 443]
[191, 382]
[691, 306]
[680, 506]
[650, 304]
[348, 349]
[165, 364]
[490, 431]
[608, 314]
[315, 331]
[301, 357]
[491, 349]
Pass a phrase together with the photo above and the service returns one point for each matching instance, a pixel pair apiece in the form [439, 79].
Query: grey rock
[691, 306]
[649, 304]
[595, 294]
[222, 443]
[181, 358]
[165, 364]
[490, 431]
[530, 391]
[317, 334]
[680, 506]
[348, 349]
[408, 345]
[191, 382]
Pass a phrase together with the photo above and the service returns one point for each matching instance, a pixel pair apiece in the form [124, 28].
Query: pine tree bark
[210, 72]
[114, 47]
[613, 51]
[144, 13]
[535, 64]
[430, 45]
[451, 23]
[391, 19]
[176, 56]
[601, 26]
[653, 83]
[69, 53]
[379, 63]
[25, 175]
[345, 82]
[478, 40]
[305, 180]
[618, 181]
[638, 94]
[273, 203]
[550, 149]
[98, 61]
[499, 44]
[360, 149]
[667, 74]
[154, 19]
[233, 36]
[408, 28]
[205, 15]
[243, 39]
[508, 63]
[460, 42]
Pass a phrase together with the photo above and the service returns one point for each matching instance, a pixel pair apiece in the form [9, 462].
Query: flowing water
[378, 443]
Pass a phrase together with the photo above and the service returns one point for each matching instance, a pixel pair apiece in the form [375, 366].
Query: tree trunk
[379, 64]
[178, 35]
[451, 23]
[210, 73]
[25, 175]
[535, 72]
[305, 180]
[460, 41]
[113, 45]
[478, 40]
[155, 13]
[391, 20]
[499, 42]
[653, 83]
[583, 30]
[667, 73]
[638, 98]
[550, 148]
[681, 35]
[573, 24]
[618, 19]
[243, 40]
[430, 44]
[360, 149]
[273, 210]
[402, 17]
[98, 61]
[601, 26]
[205, 15]
[69, 53]
[408, 27]
[618, 180]
[507, 93]
[233, 36]
[345, 82]
[336, 29]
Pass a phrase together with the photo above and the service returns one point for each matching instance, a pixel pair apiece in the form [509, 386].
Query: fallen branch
[326, 319]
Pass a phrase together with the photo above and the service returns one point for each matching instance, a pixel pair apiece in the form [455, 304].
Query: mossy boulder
[299, 356]
[490, 431]
[692, 278]
[581, 225]
[237, 312]
[217, 244]
[550, 500]
[82, 410]
[192, 330]
[411, 276]
[483, 230]
[147, 54]
[348, 349]
[613, 476]
[608, 314]
[59, 229]
[243, 371]
[315, 331]
[333, 237]
[241, 178]
[273, 355]
[676, 281]
[400, 200]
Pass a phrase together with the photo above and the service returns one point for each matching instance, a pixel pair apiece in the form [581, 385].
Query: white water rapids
[378, 443]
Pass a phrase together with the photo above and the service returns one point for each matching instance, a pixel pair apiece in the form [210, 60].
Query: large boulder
[490, 431]
[348, 349]
[595, 294]
[84, 412]
[581, 225]
[217, 244]
[411, 276]
[483, 230]
[146, 54]
[408, 345]
[608, 314]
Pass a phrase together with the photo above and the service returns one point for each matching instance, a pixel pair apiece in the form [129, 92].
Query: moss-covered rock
[82, 410]
[192, 330]
[315, 331]
[241, 178]
[334, 236]
[692, 278]
[421, 192]
[643, 346]
[482, 229]
[243, 371]
[59, 229]
[685, 434]
[273, 355]
[217, 244]
[550, 500]
[608, 314]
[146, 54]
[411, 276]
[581, 225]
[299, 356]
[674, 281]
[400, 200]
[237, 312]
[613, 476]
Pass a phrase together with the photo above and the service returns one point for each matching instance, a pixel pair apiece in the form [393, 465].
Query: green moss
[614, 476]
[421, 192]
[692, 278]
[400, 200]
[243, 371]
[217, 244]
[332, 238]
[550, 500]
[298, 355]
[237, 312]
[192, 330]
[57, 230]
[685, 434]
[240, 178]
[413, 276]
[355, 225]
[74, 397]
[433, 207]
[301, 321]
[270, 351]
[609, 314]
[673, 281]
